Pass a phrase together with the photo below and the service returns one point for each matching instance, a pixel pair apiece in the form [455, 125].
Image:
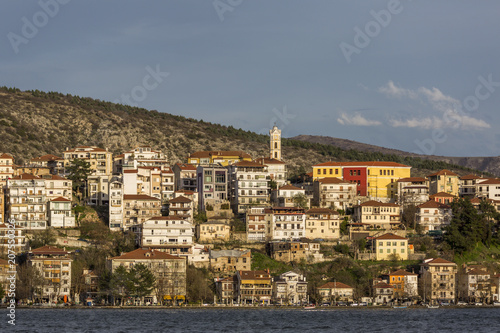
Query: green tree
[42, 238]
[142, 281]
[79, 170]
[344, 226]
[300, 200]
[120, 284]
[408, 217]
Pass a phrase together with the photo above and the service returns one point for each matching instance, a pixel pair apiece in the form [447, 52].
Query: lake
[255, 320]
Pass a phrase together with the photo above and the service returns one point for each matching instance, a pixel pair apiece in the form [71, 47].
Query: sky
[419, 76]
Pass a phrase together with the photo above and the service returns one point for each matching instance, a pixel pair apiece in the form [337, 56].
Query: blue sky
[420, 76]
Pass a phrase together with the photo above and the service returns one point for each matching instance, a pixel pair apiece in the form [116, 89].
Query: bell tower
[275, 143]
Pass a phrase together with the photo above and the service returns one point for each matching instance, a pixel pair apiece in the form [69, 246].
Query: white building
[26, 201]
[433, 215]
[171, 233]
[116, 203]
[286, 222]
[257, 225]
[57, 186]
[412, 191]
[277, 170]
[334, 192]
[60, 213]
[284, 195]
[290, 288]
[488, 189]
[249, 185]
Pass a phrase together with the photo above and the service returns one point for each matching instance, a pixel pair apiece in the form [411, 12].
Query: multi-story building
[383, 293]
[182, 206]
[54, 265]
[31, 169]
[139, 208]
[9, 232]
[474, 284]
[334, 193]
[221, 157]
[389, 246]
[443, 181]
[98, 190]
[412, 191]
[322, 223]
[442, 197]
[167, 184]
[2, 201]
[258, 227]
[286, 222]
[284, 196]
[253, 286]
[54, 163]
[488, 189]
[60, 214]
[249, 185]
[116, 203]
[185, 177]
[225, 289]
[377, 180]
[333, 292]
[142, 156]
[212, 185]
[213, 231]
[100, 160]
[169, 270]
[405, 284]
[6, 166]
[57, 186]
[276, 169]
[26, 201]
[375, 214]
[438, 280]
[467, 186]
[230, 261]
[172, 234]
[290, 288]
[295, 251]
[433, 215]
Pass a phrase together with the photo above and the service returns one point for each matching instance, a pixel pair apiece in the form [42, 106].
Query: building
[286, 222]
[182, 206]
[383, 293]
[258, 227]
[100, 160]
[433, 215]
[475, 284]
[185, 177]
[60, 214]
[275, 143]
[295, 251]
[443, 181]
[412, 191]
[2, 201]
[6, 166]
[290, 288]
[215, 230]
[377, 180]
[405, 284]
[488, 189]
[142, 156]
[442, 197]
[26, 201]
[249, 185]
[54, 163]
[253, 287]
[225, 289]
[139, 208]
[438, 280]
[54, 265]
[277, 170]
[172, 234]
[378, 215]
[389, 246]
[57, 186]
[230, 261]
[284, 196]
[167, 184]
[116, 221]
[334, 193]
[98, 190]
[169, 270]
[9, 232]
[322, 223]
[467, 186]
[333, 292]
[221, 157]
[212, 185]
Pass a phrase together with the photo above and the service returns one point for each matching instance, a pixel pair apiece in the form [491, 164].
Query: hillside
[34, 123]
[485, 164]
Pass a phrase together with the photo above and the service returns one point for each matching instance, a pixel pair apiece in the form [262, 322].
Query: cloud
[451, 108]
[357, 120]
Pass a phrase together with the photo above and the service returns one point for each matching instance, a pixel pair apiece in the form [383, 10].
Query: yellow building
[389, 245]
[377, 180]
[101, 160]
[444, 181]
[253, 286]
[223, 157]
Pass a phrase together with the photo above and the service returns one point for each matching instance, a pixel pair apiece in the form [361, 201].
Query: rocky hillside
[34, 123]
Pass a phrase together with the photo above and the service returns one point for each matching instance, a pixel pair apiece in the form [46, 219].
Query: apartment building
[215, 230]
[167, 184]
[6, 166]
[467, 185]
[182, 206]
[277, 170]
[443, 181]
[53, 163]
[225, 289]
[286, 222]
[334, 193]
[116, 203]
[412, 191]
[295, 251]
[171, 234]
[322, 223]
[54, 265]
[442, 197]
[249, 185]
[57, 186]
[98, 190]
[433, 215]
[142, 156]
[284, 195]
[475, 284]
[290, 288]
[253, 287]
[405, 284]
[221, 157]
[100, 160]
[258, 227]
[212, 182]
[438, 280]
[8, 232]
[185, 177]
[26, 201]
[379, 215]
[60, 214]
[488, 189]
[139, 208]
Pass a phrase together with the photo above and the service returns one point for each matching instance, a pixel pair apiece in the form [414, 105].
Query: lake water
[254, 320]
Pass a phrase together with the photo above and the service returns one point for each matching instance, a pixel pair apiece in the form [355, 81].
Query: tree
[120, 284]
[408, 217]
[197, 283]
[142, 281]
[42, 238]
[300, 200]
[344, 226]
[79, 170]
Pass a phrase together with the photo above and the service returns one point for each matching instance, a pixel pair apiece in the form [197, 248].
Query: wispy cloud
[357, 120]
[434, 100]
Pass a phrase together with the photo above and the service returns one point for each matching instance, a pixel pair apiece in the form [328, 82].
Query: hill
[489, 165]
[34, 123]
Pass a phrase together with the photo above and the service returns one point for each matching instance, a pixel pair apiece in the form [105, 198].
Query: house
[412, 191]
[374, 179]
[389, 246]
[488, 189]
[225, 289]
[249, 185]
[322, 223]
[90, 286]
[169, 270]
[60, 214]
[443, 181]
[405, 284]
[284, 196]
[182, 206]
[185, 177]
[383, 293]
[57, 186]
[438, 280]
[230, 261]
[334, 193]
[290, 288]
[286, 222]
[467, 186]
[139, 208]
[277, 170]
[215, 230]
[295, 251]
[433, 215]
[258, 227]
[378, 215]
[98, 190]
[100, 160]
[475, 284]
[443, 197]
[6, 166]
[26, 201]
[253, 287]
[172, 234]
[54, 266]
[333, 292]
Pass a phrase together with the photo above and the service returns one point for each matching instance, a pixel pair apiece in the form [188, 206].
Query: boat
[432, 306]
[399, 307]
[309, 307]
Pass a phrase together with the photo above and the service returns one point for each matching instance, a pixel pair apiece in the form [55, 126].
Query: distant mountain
[34, 123]
[485, 164]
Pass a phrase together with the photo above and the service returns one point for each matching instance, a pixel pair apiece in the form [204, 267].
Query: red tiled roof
[186, 166]
[186, 192]
[443, 172]
[363, 164]
[490, 181]
[290, 187]
[146, 254]
[441, 194]
[48, 158]
[130, 171]
[433, 204]
[255, 275]
[383, 285]
[373, 203]
[26, 176]
[402, 272]
[5, 155]
[335, 285]
[181, 199]
[47, 249]
[470, 177]
[412, 179]
[223, 153]
[267, 160]
[322, 211]
[60, 199]
[439, 261]
[390, 236]
[333, 180]
[56, 177]
[138, 197]
[167, 218]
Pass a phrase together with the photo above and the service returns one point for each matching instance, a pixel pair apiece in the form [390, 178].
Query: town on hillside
[90, 228]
